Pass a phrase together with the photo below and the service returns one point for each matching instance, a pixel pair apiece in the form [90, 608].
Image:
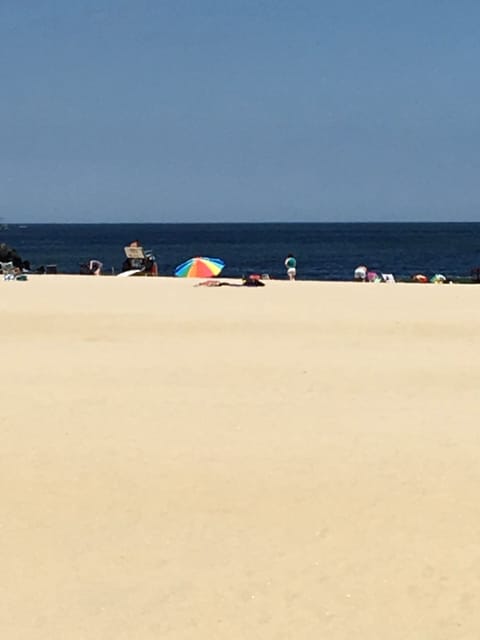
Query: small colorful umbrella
[200, 268]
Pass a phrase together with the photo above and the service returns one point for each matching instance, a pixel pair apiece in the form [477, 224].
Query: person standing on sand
[291, 266]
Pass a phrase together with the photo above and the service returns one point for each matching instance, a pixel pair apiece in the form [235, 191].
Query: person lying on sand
[213, 283]
[251, 280]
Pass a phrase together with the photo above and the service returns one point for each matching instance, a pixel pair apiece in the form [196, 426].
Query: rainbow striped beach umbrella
[200, 268]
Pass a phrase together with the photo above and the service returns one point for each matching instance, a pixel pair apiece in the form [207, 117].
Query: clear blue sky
[231, 110]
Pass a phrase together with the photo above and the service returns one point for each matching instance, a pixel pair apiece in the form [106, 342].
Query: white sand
[294, 462]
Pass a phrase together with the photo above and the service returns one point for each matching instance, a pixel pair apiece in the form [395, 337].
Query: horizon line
[243, 222]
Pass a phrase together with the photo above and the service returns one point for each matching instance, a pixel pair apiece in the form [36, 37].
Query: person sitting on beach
[95, 267]
[360, 273]
[373, 276]
[133, 263]
[92, 268]
[147, 263]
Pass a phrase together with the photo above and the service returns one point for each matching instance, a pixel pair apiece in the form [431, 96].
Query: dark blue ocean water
[323, 251]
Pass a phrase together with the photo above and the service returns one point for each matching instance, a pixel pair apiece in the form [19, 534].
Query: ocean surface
[323, 251]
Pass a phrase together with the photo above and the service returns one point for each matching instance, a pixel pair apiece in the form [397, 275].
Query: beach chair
[388, 277]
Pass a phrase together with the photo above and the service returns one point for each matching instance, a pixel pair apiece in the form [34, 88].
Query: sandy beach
[298, 461]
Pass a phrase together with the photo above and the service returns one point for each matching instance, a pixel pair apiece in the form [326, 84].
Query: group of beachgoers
[363, 274]
[138, 260]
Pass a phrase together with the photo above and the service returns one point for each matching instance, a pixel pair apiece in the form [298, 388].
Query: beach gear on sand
[10, 272]
[373, 276]
[130, 272]
[252, 280]
[438, 278]
[388, 277]
[200, 268]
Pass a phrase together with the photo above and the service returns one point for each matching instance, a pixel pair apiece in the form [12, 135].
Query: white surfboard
[130, 272]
